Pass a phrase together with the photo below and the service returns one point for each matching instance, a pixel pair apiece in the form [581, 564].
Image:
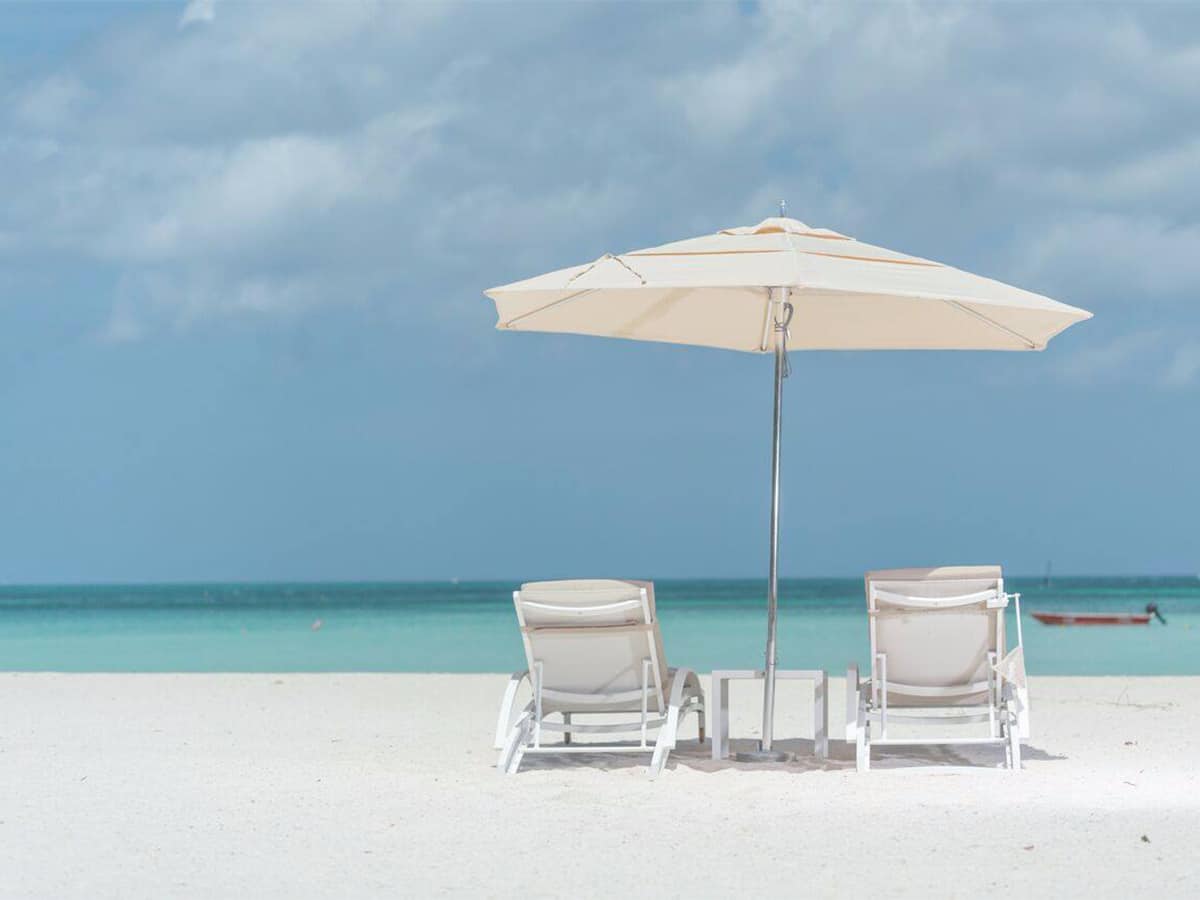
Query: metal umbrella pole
[765, 753]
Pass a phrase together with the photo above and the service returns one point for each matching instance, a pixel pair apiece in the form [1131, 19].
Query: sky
[243, 248]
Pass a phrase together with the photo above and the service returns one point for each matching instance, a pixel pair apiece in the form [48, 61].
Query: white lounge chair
[938, 655]
[594, 647]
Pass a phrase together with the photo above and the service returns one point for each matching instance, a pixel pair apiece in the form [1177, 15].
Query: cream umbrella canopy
[771, 286]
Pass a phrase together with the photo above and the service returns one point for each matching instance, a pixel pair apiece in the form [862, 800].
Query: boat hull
[1048, 618]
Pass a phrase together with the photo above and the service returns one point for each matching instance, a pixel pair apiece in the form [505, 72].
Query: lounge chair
[938, 656]
[594, 648]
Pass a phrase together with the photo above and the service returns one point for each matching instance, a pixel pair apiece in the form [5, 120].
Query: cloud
[47, 104]
[124, 325]
[197, 11]
[796, 65]
[288, 157]
[1184, 367]
[237, 202]
[1137, 260]
[1154, 358]
[1109, 361]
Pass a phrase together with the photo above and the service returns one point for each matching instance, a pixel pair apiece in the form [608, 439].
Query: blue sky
[242, 249]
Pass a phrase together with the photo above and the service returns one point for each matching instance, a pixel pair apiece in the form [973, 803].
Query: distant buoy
[316, 625]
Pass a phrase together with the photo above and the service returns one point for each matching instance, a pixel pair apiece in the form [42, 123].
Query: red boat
[1053, 618]
[1086, 618]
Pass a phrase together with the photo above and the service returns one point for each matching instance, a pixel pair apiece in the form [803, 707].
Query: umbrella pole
[765, 753]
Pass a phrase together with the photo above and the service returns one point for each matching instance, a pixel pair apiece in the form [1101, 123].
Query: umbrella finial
[783, 209]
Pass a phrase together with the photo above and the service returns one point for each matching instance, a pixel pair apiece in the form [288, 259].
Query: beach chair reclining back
[594, 642]
[940, 630]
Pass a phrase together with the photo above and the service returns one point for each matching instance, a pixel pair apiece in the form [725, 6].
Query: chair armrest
[680, 679]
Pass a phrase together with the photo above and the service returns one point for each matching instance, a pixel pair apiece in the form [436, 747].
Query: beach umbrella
[775, 286]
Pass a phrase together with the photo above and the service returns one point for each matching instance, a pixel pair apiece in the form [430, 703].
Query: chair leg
[853, 689]
[659, 759]
[504, 722]
[676, 708]
[821, 717]
[699, 705]
[514, 748]
[862, 747]
[1014, 744]
[664, 742]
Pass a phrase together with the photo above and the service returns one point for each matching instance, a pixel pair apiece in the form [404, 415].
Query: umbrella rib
[552, 303]
[1032, 345]
[632, 270]
[617, 259]
[766, 331]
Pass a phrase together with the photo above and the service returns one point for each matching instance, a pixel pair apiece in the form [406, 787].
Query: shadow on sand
[698, 757]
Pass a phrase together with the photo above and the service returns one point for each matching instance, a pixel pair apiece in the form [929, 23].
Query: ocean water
[471, 627]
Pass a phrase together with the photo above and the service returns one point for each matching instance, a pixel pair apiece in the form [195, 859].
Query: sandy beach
[383, 785]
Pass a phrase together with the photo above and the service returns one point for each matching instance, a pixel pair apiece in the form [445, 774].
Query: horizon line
[496, 579]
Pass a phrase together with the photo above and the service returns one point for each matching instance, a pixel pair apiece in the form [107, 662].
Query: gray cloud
[278, 158]
[197, 11]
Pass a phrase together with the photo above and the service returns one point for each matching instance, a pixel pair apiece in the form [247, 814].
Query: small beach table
[719, 724]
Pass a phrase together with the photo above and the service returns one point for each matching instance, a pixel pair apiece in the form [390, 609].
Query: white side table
[719, 716]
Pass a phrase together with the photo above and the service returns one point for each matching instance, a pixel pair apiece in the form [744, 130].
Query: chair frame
[519, 731]
[867, 701]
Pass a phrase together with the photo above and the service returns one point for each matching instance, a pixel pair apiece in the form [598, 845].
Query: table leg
[821, 716]
[720, 718]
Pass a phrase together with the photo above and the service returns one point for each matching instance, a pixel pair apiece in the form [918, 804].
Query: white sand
[382, 785]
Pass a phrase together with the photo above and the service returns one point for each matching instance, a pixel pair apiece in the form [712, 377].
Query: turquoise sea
[471, 627]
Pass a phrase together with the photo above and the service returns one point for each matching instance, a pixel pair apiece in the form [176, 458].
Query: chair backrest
[940, 628]
[590, 640]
